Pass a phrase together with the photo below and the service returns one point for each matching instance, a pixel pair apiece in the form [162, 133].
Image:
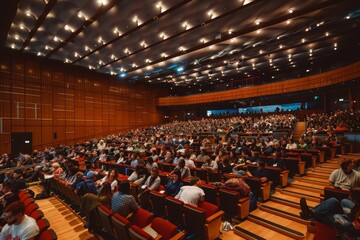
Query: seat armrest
[284, 175]
[301, 168]
[244, 207]
[213, 217]
[178, 236]
[265, 191]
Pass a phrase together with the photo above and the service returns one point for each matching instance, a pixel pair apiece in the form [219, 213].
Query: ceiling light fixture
[257, 21]
[290, 10]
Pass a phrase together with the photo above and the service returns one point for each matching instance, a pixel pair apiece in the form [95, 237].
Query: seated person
[19, 225]
[344, 215]
[139, 175]
[261, 172]
[174, 184]
[209, 164]
[122, 202]
[278, 161]
[153, 181]
[184, 170]
[192, 194]
[345, 177]
[111, 178]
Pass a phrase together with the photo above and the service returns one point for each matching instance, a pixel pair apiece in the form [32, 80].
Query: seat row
[32, 210]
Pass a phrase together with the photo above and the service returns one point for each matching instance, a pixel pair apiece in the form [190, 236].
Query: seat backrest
[210, 193]
[28, 201]
[214, 176]
[30, 208]
[37, 214]
[202, 174]
[254, 184]
[194, 219]
[339, 194]
[43, 224]
[229, 201]
[209, 208]
[105, 219]
[141, 218]
[165, 228]
[120, 226]
[157, 201]
[48, 234]
[137, 233]
[174, 210]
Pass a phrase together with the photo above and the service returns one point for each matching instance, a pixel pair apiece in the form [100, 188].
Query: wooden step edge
[285, 202]
[299, 195]
[284, 214]
[314, 174]
[309, 188]
[312, 181]
[277, 227]
[321, 170]
[246, 234]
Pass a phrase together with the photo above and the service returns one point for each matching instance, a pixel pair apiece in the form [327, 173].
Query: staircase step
[290, 200]
[282, 210]
[308, 186]
[252, 231]
[319, 181]
[318, 174]
[322, 170]
[282, 225]
[296, 192]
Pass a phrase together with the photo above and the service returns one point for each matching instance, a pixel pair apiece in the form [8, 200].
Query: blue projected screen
[266, 109]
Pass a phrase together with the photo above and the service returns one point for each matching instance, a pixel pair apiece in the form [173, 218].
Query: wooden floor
[66, 224]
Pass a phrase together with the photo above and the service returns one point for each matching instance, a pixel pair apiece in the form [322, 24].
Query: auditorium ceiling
[188, 46]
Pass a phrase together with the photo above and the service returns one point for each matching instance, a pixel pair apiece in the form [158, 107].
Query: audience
[122, 202]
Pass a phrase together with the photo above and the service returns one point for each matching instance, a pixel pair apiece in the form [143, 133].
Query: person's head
[347, 165]
[105, 189]
[154, 172]
[181, 162]
[139, 169]
[150, 160]
[6, 187]
[56, 165]
[176, 175]
[124, 187]
[113, 174]
[14, 213]
[195, 181]
[17, 173]
[91, 176]
[8, 199]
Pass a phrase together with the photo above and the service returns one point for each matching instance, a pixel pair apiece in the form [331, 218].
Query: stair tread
[315, 179]
[316, 187]
[262, 231]
[293, 199]
[289, 209]
[301, 191]
[281, 221]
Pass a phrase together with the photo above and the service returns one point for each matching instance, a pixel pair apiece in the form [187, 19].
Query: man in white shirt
[345, 177]
[191, 194]
[19, 226]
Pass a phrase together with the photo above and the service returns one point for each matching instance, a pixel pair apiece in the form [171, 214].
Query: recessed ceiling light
[290, 10]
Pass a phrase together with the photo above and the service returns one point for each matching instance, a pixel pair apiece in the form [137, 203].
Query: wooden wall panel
[315, 81]
[75, 103]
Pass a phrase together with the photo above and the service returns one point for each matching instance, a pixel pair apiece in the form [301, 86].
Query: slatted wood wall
[49, 98]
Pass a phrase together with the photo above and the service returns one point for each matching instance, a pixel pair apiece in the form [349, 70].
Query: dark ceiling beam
[250, 29]
[38, 23]
[276, 43]
[8, 10]
[186, 31]
[155, 18]
[102, 10]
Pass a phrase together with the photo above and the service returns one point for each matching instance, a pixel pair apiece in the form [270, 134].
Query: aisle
[64, 222]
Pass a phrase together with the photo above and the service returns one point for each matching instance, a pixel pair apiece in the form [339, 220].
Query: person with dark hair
[150, 163]
[19, 226]
[174, 184]
[192, 194]
[88, 186]
[111, 178]
[184, 170]
[345, 177]
[139, 175]
[19, 182]
[122, 202]
[153, 181]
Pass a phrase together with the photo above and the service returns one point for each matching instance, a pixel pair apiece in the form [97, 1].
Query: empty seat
[105, 219]
[141, 218]
[37, 214]
[31, 208]
[214, 176]
[166, 229]
[232, 205]
[136, 233]
[199, 224]
[157, 201]
[43, 224]
[211, 193]
[120, 227]
[48, 234]
[174, 210]
[28, 201]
